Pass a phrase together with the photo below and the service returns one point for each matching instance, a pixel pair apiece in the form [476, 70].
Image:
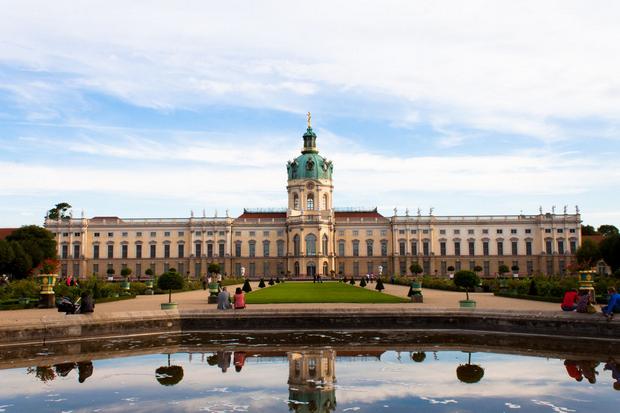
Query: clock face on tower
[310, 186]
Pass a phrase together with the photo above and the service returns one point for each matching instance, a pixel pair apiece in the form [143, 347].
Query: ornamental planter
[47, 295]
[467, 304]
[169, 306]
[126, 286]
[149, 284]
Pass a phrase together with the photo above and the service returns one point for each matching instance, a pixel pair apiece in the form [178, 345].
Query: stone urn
[47, 295]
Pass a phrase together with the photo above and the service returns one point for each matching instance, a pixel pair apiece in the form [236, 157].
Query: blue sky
[155, 109]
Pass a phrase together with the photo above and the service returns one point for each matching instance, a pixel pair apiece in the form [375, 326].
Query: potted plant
[503, 285]
[169, 375]
[515, 271]
[379, 285]
[477, 269]
[170, 280]
[48, 274]
[149, 282]
[451, 271]
[415, 290]
[110, 272]
[469, 373]
[467, 280]
[125, 272]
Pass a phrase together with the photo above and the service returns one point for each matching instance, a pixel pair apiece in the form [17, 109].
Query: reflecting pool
[195, 373]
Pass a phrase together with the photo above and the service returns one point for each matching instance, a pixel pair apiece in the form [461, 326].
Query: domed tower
[310, 212]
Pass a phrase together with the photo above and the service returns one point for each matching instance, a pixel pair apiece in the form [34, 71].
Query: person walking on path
[223, 300]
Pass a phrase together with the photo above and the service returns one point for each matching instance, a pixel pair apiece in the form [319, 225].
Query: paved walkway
[198, 300]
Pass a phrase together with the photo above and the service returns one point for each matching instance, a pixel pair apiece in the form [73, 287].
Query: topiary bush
[170, 281]
[246, 286]
[363, 282]
[379, 286]
[467, 280]
[261, 284]
[352, 281]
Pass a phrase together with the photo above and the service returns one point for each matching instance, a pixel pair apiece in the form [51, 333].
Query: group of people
[583, 302]
[580, 369]
[226, 302]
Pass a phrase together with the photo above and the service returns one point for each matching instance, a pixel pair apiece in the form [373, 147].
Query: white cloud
[514, 67]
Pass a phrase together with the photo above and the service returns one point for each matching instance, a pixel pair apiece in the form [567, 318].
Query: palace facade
[310, 236]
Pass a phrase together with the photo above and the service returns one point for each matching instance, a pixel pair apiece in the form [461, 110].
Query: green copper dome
[310, 165]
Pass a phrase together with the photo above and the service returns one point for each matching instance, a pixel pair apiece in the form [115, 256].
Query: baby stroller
[67, 306]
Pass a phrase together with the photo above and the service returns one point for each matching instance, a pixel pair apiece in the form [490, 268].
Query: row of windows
[356, 233]
[309, 201]
[265, 233]
[152, 234]
[514, 247]
[152, 249]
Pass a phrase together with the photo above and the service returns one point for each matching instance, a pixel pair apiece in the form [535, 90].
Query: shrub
[110, 271]
[246, 286]
[503, 269]
[23, 288]
[126, 272]
[261, 284]
[450, 268]
[352, 281]
[533, 288]
[363, 282]
[149, 272]
[170, 281]
[416, 269]
[214, 268]
[467, 280]
[138, 288]
[379, 286]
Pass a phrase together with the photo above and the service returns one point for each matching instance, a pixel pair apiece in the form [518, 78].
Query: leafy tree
[416, 269]
[126, 272]
[610, 251]
[588, 230]
[588, 253]
[214, 268]
[515, 268]
[36, 241]
[6, 257]
[379, 285]
[503, 269]
[607, 230]
[59, 211]
[450, 268]
[110, 271]
[170, 280]
[467, 280]
[246, 286]
[477, 268]
[148, 272]
[21, 266]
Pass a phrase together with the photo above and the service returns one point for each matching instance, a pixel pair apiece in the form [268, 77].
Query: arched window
[325, 268]
[311, 245]
[324, 201]
[369, 251]
[296, 245]
[356, 248]
[341, 248]
[325, 245]
[295, 201]
[310, 203]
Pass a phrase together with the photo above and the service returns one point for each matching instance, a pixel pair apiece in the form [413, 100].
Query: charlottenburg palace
[310, 236]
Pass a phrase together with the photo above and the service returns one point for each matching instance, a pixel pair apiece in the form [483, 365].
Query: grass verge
[328, 292]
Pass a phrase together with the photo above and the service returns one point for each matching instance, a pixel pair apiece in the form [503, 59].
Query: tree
[21, 266]
[416, 269]
[588, 230]
[467, 280]
[6, 257]
[214, 268]
[149, 272]
[588, 253]
[126, 272]
[36, 241]
[477, 268]
[503, 269]
[450, 268]
[59, 211]
[170, 280]
[610, 251]
[607, 230]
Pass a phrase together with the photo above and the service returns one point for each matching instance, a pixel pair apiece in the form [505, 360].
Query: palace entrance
[311, 270]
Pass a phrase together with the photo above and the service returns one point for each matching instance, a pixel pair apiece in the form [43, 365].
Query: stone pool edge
[75, 327]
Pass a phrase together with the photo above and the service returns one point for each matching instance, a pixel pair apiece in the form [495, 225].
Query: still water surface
[276, 378]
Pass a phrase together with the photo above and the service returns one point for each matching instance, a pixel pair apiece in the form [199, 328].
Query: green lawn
[328, 292]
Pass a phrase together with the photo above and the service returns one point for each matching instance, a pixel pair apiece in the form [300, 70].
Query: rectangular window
[221, 247]
[414, 248]
[252, 233]
[237, 249]
[548, 247]
[384, 249]
[110, 234]
[153, 248]
[485, 231]
[401, 231]
[528, 247]
[356, 249]
[138, 269]
[500, 231]
[341, 268]
[252, 249]
[442, 248]
[181, 233]
[485, 248]
[573, 247]
[528, 231]
[96, 252]
[198, 249]
[138, 234]
[402, 248]
[237, 233]
[470, 232]
[426, 247]
[369, 249]
[65, 251]
[486, 268]
[513, 231]
[444, 268]
[356, 233]
[124, 250]
[280, 233]
[96, 269]
[530, 267]
[166, 250]
[197, 269]
[221, 234]
[124, 234]
[265, 233]
[209, 250]
[153, 234]
[96, 235]
[560, 231]
[472, 247]
[472, 265]
[547, 230]
[341, 233]
[424, 231]
[442, 232]
[572, 230]
[369, 233]
[76, 251]
[265, 249]
[514, 247]
[238, 269]
[457, 248]
[426, 266]
[341, 248]
[110, 251]
[500, 248]
[198, 233]
[383, 233]
[414, 231]
[403, 267]
[138, 250]
[560, 246]
[356, 269]
[457, 231]
[266, 270]
[280, 246]
[166, 233]
[181, 250]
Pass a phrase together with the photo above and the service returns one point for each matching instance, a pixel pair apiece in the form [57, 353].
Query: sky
[156, 109]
